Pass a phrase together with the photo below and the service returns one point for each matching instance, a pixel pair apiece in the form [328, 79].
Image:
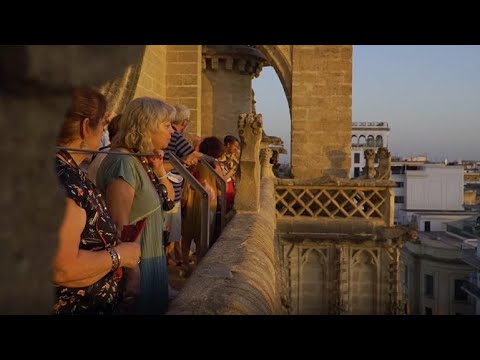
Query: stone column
[395, 303]
[321, 110]
[247, 191]
[344, 254]
[389, 207]
[227, 86]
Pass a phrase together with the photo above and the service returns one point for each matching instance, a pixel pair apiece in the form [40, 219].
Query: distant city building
[470, 197]
[469, 230]
[472, 174]
[434, 192]
[417, 158]
[434, 277]
[366, 135]
[429, 197]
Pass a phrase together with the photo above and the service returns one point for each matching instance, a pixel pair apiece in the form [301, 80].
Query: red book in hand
[131, 233]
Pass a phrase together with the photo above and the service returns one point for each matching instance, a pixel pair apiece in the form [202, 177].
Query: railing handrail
[223, 190]
[204, 242]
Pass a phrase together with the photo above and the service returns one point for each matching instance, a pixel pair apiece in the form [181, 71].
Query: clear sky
[430, 96]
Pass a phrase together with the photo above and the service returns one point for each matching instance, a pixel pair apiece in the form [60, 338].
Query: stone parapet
[240, 275]
[336, 200]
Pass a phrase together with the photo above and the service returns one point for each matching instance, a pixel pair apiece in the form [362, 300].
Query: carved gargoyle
[250, 132]
[384, 164]
[369, 168]
[265, 156]
[271, 140]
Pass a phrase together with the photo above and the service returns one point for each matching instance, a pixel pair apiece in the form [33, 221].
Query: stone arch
[370, 141]
[354, 140]
[358, 256]
[280, 58]
[362, 141]
[316, 80]
[314, 279]
[379, 141]
[363, 283]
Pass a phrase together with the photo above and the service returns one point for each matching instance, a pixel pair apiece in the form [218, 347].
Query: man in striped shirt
[184, 151]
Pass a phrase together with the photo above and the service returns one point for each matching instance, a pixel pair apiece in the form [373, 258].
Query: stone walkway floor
[177, 278]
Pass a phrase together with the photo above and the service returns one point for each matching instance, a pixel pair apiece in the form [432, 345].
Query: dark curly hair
[212, 146]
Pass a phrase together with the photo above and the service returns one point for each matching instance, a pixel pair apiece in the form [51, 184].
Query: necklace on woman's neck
[66, 157]
[99, 202]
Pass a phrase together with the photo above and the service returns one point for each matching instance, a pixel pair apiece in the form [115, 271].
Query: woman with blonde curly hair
[131, 196]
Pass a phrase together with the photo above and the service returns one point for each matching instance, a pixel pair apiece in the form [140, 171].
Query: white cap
[174, 178]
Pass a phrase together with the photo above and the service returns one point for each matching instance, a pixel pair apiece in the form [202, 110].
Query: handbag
[131, 233]
[132, 277]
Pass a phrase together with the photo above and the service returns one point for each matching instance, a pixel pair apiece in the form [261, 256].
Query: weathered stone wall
[152, 77]
[120, 91]
[227, 86]
[226, 95]
[168, 72]
[35, 84]
[328, 276]
[240, 273]
[321, 110]
[183, 79]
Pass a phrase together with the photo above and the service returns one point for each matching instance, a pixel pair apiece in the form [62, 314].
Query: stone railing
[330, 202]
[371, 200]
[240, 275]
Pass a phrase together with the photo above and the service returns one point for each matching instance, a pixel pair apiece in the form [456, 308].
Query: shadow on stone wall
[337, 159]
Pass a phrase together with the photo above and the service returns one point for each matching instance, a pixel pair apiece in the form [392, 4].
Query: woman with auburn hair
[88, 261]
[131, 194]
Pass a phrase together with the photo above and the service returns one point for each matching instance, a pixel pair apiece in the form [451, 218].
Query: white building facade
[366, 135]
[434, 191]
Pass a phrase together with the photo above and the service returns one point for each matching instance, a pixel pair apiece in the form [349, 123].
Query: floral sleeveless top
[99, 233]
